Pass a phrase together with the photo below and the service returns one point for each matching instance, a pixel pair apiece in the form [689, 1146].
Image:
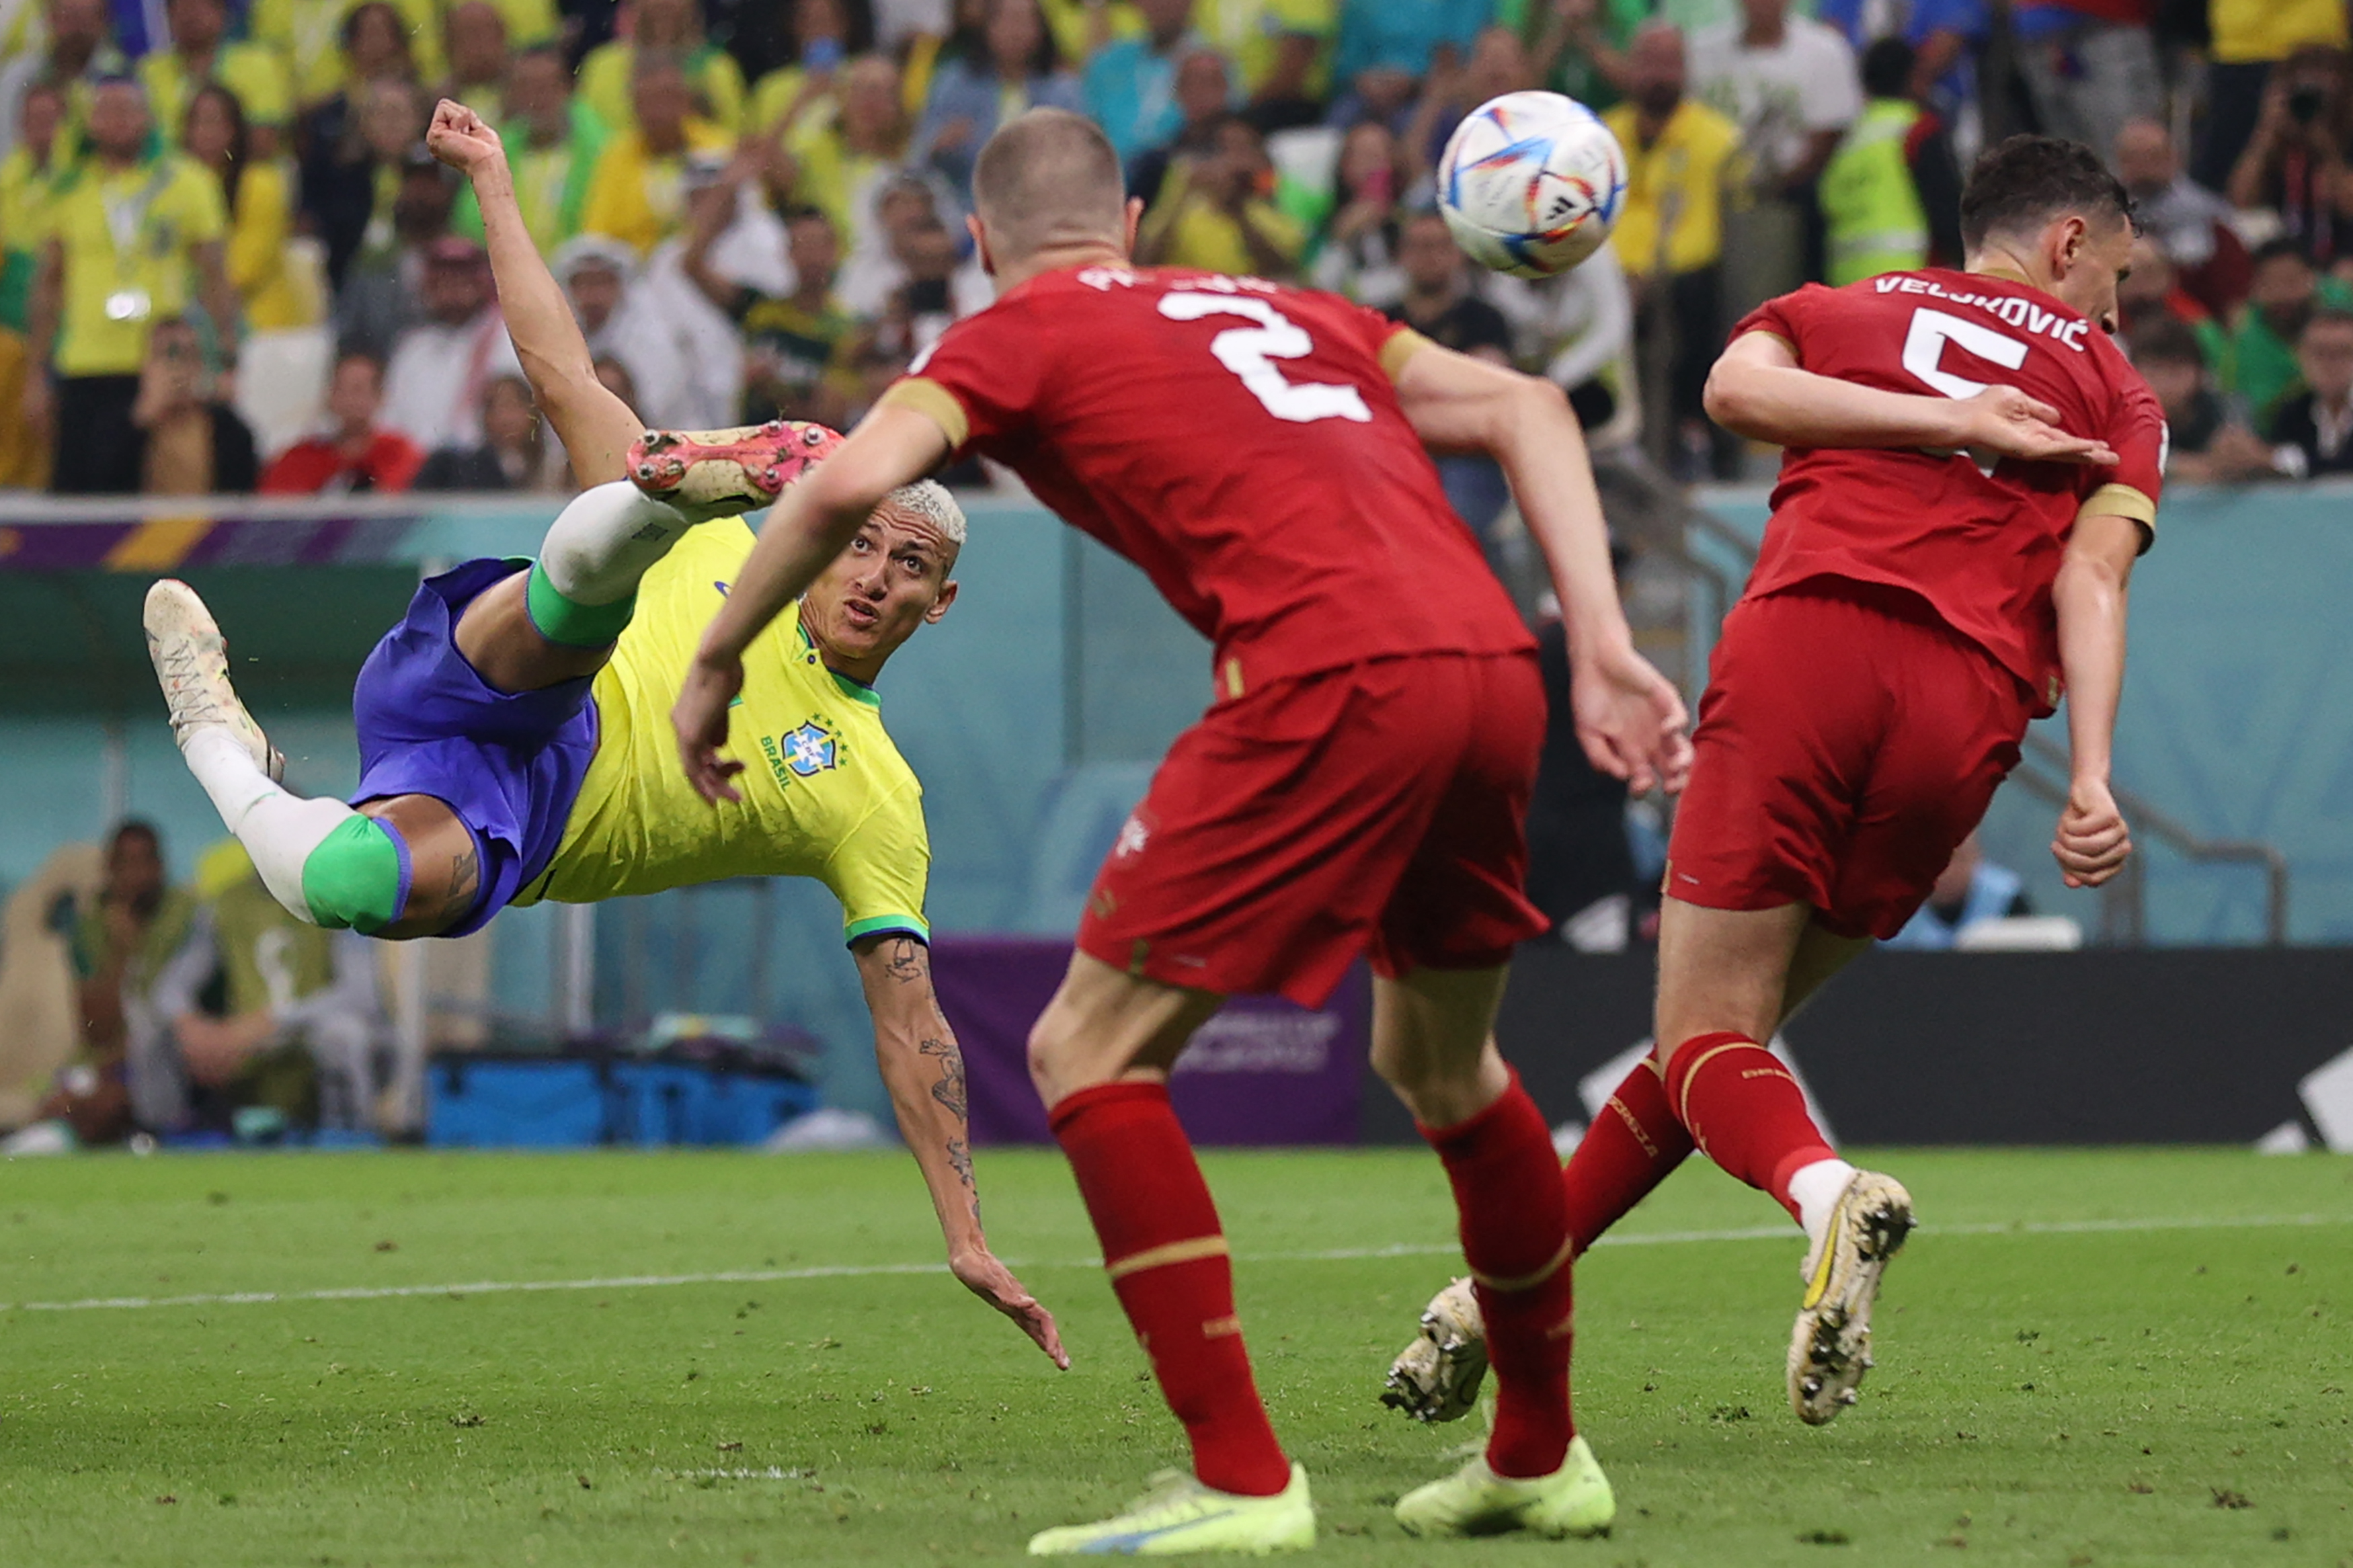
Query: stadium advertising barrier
[1263, 1071]
[2140, 1046]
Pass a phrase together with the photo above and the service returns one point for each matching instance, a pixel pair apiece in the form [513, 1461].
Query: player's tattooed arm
[923, 1069]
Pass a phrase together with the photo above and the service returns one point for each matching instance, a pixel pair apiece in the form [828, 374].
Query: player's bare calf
[720, 473]
[1830, 1347]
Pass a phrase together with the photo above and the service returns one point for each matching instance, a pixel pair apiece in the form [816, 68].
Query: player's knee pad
[357, 877]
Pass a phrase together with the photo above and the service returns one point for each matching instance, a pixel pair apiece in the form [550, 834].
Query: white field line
[1334, 1255]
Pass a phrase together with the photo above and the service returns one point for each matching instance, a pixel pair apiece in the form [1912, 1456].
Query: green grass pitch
[2109, 1358]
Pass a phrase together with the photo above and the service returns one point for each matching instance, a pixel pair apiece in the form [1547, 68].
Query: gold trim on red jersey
[935, 402]
[1399, 347]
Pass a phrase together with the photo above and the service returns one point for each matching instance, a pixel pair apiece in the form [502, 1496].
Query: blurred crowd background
[230, 264]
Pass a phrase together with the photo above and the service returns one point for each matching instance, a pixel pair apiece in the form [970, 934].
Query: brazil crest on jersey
[826, 794]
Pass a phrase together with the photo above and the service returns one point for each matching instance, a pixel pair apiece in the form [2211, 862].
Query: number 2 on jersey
[1251, 353]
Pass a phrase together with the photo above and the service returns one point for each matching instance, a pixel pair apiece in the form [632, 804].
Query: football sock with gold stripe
[1166, 1254]
[1516, 1239]
[1633, 1145]
[1745, 1113]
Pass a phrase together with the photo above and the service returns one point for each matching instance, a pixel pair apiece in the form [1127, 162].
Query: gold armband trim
[933, 401]
[1400, 346]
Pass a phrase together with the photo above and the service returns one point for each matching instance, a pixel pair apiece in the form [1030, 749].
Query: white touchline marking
[1334, 1255]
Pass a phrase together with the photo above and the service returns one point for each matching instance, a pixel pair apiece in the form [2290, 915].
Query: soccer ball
[1530, 184]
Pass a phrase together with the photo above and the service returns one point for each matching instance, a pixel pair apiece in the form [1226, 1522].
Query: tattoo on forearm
[960, 1161]
[950, 1091]
[906, 961]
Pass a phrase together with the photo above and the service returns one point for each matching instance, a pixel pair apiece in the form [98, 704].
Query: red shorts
[1849, 740]
[1377, 806]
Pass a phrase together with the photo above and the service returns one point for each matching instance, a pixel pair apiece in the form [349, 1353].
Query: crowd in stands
[227, 261]
[201, 1011]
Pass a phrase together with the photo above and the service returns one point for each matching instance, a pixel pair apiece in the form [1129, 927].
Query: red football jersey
[1241, 443]
[1982, 547]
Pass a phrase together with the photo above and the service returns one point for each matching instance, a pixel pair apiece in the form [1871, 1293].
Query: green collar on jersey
[856, 691]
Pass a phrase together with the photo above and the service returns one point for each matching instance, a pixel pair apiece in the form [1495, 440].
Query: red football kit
[1870, 691]
[1362, 776]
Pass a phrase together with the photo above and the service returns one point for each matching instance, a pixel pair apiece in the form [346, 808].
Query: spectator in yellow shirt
[822, 39]
[607, 77]
[200, 53]
[1220, 219]
[1681, 156]
[553, 141]
[28, 176]
[840, 161]
[637, 194]
[134, 235]
[273, 290]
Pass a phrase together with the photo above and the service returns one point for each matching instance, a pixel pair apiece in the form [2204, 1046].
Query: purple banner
[1263, 1071]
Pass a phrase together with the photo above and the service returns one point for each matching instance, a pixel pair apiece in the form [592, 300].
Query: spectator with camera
[1204, 89]
[191, 442]
[2295, 162]
[1222, 218]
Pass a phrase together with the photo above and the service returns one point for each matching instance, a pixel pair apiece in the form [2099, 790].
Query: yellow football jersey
[826, 794]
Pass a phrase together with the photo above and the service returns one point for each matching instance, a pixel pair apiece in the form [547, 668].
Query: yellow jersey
[712, 74]
[826, 794]
[2246, 31]
[639, 197]
[257, 73]
[1678, 182]
[129, 240]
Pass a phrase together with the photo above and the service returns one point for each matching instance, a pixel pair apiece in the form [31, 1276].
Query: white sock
[278, 829]
[1817, 1188]
[605, 539]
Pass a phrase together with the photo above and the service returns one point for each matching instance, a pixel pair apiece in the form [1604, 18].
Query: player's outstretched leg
[718, 473]
[323, 861]
[1726, 978]
[1431, 1041]
[1633, 1145]
[1165, 1252]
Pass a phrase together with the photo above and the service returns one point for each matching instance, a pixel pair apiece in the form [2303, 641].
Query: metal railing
[1657, 515]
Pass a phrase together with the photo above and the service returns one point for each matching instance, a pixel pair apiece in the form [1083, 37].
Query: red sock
[1745, 1111]
[1167, 1258]
[1516, 1237]
[1633, 1145]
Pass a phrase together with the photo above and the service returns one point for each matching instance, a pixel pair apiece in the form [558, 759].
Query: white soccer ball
[1530, 184]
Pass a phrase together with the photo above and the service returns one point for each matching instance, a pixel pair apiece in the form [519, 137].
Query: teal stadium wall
[1033, 712]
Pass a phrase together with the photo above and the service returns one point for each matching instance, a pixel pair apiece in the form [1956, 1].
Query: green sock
[569, 622]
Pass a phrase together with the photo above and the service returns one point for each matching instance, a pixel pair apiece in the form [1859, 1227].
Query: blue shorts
[510, 763]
